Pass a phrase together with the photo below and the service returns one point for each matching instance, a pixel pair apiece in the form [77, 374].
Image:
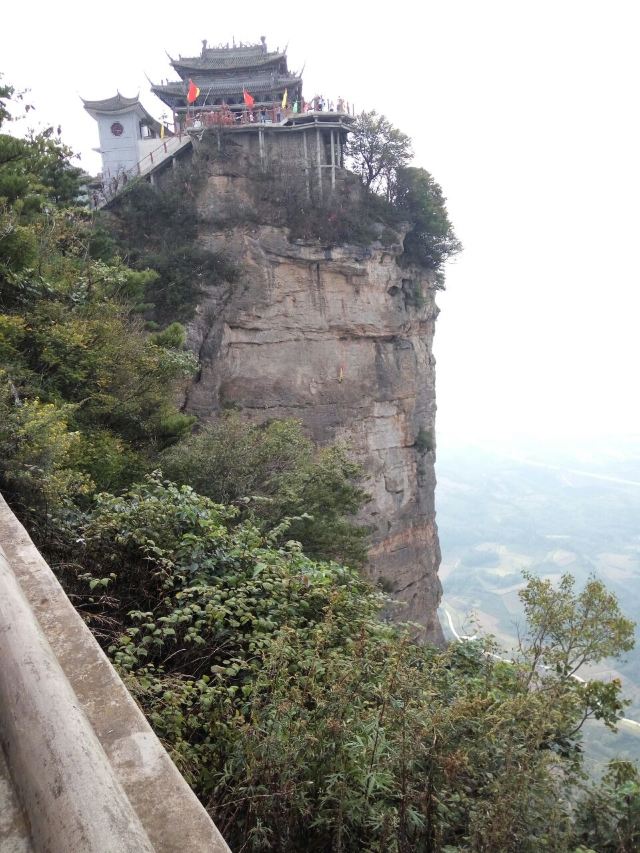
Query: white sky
[526, 113]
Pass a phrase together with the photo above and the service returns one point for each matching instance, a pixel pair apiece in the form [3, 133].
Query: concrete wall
[119, 153]
[86, 772]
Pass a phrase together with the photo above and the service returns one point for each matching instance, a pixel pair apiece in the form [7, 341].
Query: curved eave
[171, 99]
[123, 106]
[215, 64]
[189, 70]
[115, 104]
[174, 95]
[231, 86]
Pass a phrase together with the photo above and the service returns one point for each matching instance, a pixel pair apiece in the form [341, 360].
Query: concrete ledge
[15, 836]
[91, 775]
[64, 781]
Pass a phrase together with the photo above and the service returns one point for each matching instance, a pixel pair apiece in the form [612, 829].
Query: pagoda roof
[119, 104]
[255, 86]
[112, 105]
[228, 59]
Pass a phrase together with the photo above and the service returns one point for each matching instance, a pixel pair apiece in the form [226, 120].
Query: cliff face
[340, 338]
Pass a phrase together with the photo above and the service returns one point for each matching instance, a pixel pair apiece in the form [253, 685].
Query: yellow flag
[284, 98]
[161, 131]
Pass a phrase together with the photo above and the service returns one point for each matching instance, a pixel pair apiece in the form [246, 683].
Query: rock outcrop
[340, 338]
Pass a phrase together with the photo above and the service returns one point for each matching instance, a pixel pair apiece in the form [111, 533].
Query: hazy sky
[525, 112]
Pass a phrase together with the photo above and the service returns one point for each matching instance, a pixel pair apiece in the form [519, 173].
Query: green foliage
[87, 397]
[608, 815]
[174, 336]
[156, 227]
[37, 170]
[94, 355]
[431, 240]
[425, 441]
[305, 723]
[284, 475]
[107, 459]
[567, 629]
[376, 151]
[18, 245]
[36, 451]
[379, 154]
[6, 93]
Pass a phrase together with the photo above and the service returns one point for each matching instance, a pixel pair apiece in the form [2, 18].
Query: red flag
[193, 92]
[248, 99]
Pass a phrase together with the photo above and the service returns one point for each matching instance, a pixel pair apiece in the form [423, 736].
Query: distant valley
[548, 509]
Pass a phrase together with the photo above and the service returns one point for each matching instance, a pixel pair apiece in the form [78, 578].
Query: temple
[225, 75]
[244, 90]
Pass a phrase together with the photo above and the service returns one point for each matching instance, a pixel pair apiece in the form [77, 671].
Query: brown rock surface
[340, 338]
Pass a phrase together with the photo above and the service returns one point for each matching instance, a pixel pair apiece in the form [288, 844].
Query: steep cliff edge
[341, 338]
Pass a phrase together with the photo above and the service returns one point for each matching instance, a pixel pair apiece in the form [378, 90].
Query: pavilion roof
[117, 103]
[215, 88]
[228, 59]
[111, 105]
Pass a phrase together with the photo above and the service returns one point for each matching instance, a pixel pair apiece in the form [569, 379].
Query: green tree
[376, 150]
[87, 396]
[36, 451]
[431, 240]
[36, 169]
[567, 630]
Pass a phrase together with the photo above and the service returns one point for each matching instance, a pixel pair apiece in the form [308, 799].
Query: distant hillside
[549, 510]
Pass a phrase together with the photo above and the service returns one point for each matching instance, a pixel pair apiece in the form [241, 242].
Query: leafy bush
[36, 452]
[608, 815]
[284, 474]
[431, 240]
[305, 723]
[425, 442]
[156, 227]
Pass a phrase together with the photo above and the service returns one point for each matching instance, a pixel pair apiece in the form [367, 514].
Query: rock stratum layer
[341, 339]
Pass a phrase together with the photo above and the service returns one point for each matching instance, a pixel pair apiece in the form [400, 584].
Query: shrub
[282, 474]
[430, 240]
[425, 441]
[156, 227]
[301, 720]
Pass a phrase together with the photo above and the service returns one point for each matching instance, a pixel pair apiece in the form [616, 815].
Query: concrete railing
[87, 773]
[168, 148]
